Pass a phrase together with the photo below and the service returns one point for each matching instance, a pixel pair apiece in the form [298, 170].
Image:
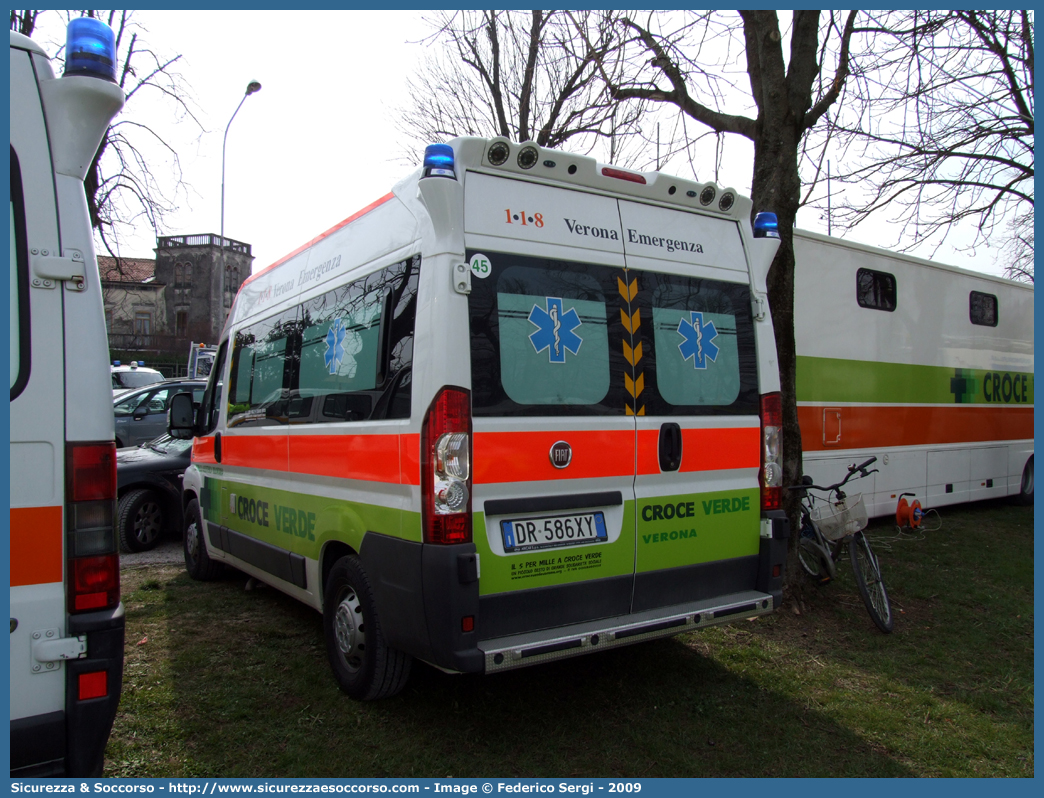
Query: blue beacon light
[90, 49]
[438, 161]
[766, 225]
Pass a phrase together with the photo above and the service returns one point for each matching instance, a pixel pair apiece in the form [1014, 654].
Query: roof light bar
[438, 161]
[766, 225]
[90, 49]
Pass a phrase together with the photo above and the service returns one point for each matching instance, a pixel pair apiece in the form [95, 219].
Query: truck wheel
[140, 520]
[1026, 491]
[197, 562]
[365, 668]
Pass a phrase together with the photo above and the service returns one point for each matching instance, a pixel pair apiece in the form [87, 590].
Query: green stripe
[300, 522]
[822, 379]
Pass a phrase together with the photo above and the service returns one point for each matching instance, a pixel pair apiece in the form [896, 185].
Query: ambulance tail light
[94, 565]
[771, 476]
[446, 468]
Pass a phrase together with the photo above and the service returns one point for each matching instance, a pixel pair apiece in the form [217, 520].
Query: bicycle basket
[838, 519]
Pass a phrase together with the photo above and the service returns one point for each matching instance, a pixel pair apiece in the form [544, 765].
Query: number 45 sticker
[480, 266]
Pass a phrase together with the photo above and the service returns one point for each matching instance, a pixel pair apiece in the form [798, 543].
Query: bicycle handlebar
[852, 470]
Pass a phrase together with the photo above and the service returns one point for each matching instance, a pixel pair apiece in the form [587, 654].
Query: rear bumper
[72, 742]
[519, 651]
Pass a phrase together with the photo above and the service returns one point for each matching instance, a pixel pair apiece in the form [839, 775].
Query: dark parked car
[141, 415]
[148, 484]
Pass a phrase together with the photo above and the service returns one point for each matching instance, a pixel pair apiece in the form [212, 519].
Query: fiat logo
[561, 454]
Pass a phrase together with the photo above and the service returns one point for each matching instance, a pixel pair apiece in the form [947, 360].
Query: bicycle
[828, 527]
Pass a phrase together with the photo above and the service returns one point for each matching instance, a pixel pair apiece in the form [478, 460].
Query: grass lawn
[223, 681]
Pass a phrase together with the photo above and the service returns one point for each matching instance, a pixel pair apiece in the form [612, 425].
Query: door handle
[670, 446]
[217, 447]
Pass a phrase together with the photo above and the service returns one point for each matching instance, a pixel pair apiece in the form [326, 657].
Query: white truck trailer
[928, 367]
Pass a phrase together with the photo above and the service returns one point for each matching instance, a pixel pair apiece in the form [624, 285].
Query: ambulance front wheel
[197, 562]
[365, 667]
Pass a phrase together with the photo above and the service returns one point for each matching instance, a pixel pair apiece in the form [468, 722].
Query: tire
[808, 552]
[364, 666]
[119, 444]
[1025, 496]
[870, 583]
[140, 520]
[197, 562]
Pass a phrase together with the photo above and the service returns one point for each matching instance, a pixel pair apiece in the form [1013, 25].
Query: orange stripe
[270, 452]
[409, 459]
[320, 237]
[203, 450]
[373, 458]
[868, 427]
[703, 449]
[36, 545]
[525, 456]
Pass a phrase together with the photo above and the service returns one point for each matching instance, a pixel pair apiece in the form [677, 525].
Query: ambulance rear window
[540, 338]
[551, 337]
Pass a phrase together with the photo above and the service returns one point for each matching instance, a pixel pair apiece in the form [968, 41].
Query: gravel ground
[168, 551]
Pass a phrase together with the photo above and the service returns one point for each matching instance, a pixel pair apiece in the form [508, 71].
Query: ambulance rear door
[37, 414]
[696, 396]
[554, 446]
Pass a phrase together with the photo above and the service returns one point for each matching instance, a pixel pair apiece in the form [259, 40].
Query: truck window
[982, 308]
[19, 269]
[875, 290]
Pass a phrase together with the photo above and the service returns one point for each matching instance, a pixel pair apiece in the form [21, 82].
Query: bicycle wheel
[808, 553]
[871, 585]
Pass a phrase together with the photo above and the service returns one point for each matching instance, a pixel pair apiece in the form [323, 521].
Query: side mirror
[181, 416]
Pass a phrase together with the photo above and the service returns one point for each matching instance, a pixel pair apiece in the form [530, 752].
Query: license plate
[553, 531]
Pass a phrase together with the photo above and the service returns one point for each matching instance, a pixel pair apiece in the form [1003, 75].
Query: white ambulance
[66, 616]
[521, 408]
[925, 366]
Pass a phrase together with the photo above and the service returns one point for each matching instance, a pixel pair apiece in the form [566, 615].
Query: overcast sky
[319, 141]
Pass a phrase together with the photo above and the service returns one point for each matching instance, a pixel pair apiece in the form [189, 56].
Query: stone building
[155, 308]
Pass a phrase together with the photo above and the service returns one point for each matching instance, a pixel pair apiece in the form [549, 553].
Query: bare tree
[524, 75]
[939, 127]
[692, 66]
[122, 185]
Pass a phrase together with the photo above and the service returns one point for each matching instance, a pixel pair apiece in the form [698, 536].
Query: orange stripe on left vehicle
[36, 545]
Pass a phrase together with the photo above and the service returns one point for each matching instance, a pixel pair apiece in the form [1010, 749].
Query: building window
[982, 308]
[875, 290]
[181, 323]
[182, 275]
[142, 323]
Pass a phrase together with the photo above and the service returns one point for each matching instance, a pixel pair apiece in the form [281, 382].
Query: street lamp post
[252, 87]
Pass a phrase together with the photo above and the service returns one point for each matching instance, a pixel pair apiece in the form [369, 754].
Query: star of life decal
[335, 346]
[698, 342]
[555, 327]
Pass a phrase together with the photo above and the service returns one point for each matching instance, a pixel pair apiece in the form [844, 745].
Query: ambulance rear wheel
[365, 667]
[197, 562]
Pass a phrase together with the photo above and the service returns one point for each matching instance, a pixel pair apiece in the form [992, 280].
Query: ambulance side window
[356, 350]
[19, 267]
[262, 361]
